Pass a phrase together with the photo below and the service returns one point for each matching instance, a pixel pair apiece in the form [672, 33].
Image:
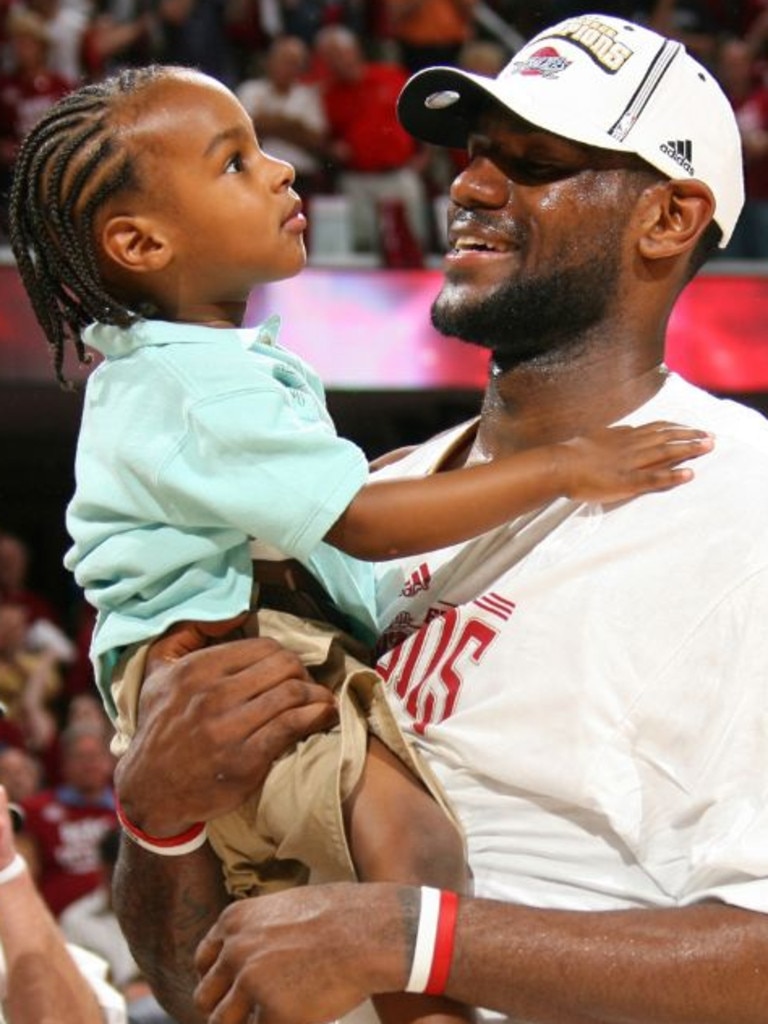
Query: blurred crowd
[57, 768]
[320, 79]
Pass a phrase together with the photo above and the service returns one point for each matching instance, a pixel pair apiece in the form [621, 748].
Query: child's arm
[389, 518]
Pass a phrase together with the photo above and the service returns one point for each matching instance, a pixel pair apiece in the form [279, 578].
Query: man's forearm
[165, 905]
[311, 954]
[707, 964]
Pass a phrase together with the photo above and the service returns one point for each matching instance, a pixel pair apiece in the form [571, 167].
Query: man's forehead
[495, 122]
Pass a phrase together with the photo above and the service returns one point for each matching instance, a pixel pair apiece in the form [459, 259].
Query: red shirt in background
[362, 114]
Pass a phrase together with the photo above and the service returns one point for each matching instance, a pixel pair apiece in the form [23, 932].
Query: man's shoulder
[428, 456]
[682, 402]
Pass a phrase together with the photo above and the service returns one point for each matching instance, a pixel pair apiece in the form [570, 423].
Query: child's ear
[674, 218]
[135, 244]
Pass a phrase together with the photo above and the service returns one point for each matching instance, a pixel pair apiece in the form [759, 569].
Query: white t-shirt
[592, 684]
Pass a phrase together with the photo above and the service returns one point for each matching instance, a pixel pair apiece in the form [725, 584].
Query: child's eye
[234, 165]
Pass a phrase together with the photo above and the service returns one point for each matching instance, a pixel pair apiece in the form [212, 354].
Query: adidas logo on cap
[681, 151]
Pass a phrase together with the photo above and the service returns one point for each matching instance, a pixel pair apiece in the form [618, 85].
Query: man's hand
[211, 723]
[307, 955]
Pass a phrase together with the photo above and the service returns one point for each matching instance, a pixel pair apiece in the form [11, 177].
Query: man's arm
[307, 955]
[211, 722]
[165, 905]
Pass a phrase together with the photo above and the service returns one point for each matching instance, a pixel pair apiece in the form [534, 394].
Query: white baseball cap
[604, 82]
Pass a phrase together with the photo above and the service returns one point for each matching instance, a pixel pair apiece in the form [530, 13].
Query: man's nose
[480, 184]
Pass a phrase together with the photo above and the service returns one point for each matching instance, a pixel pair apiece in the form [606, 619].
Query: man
[588, 683]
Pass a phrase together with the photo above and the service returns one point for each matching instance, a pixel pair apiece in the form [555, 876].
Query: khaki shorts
[294, 826]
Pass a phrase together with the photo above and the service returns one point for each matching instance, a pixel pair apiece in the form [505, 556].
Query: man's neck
[524, 408]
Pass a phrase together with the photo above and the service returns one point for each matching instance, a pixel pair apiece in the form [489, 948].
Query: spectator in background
[121, 33]
[690, 21]
[29, 681]
[251, 24]
[79, 677]
[14, 577]
[194, 34]
[43, 623]
[21, 776]
[430, 31]
[735, 17]
[741, 77]
[67, 21]
[91, 922]
[483, 57]
[66, 823]
[377, 159]
[21, 773]
[288, 113]
[87, 709]
[41, 979]
[305, 18]
[27, 89]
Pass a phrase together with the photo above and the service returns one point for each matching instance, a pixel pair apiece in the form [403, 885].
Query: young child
[143, 214]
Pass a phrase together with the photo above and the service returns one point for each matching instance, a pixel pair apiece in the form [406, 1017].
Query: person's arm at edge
[44, 984]
[704, 963]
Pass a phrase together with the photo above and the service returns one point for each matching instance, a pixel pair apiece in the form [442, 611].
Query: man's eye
[534, 170]
[234, 164]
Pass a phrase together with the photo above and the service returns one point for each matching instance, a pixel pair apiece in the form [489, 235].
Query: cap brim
[440, 105]
[428, 111]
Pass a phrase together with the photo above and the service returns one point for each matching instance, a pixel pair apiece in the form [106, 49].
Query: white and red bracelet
[170, 846]
[435, 937]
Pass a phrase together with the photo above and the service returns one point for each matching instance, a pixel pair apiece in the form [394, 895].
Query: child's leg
[398, 833]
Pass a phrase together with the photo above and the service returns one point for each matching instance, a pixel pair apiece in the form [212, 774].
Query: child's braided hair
[71, 162]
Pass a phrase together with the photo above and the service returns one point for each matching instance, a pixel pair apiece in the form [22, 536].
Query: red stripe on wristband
[444, 943]
[148, 842]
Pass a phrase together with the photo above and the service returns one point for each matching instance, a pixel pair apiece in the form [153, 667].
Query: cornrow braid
[70, 163]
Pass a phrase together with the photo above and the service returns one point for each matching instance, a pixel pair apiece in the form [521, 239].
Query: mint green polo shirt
[193, 441]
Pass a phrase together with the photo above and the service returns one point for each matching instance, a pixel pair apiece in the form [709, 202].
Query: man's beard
[534, 320]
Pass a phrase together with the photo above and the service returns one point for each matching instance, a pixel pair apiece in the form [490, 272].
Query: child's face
[220, 211]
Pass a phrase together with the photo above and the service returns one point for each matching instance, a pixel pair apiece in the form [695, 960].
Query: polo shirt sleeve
[265, 461]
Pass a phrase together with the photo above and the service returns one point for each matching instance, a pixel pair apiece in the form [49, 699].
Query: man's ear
[135, 244]
[674, 216]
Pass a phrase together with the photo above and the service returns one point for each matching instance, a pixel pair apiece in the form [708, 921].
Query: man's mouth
[472, 243]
